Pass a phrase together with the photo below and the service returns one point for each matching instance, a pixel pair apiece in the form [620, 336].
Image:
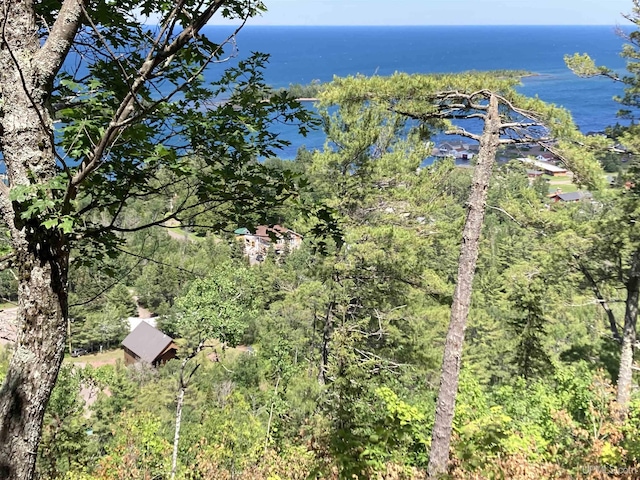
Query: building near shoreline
[546, 167]
[457, 150]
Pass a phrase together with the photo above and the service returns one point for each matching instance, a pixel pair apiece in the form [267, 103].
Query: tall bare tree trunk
[327, 332]
[441, 436]
[273, 404]
[176, 436]
[625, 374]
[183, 384]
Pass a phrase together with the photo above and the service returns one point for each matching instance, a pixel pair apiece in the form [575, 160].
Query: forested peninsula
[448, 288]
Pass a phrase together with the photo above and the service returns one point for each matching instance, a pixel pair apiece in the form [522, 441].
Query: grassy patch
[180, 234]
[96, 359]
[565, 187]
[561, 182]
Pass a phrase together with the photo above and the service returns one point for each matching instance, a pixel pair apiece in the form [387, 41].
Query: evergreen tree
[443, 102]
[622, 216]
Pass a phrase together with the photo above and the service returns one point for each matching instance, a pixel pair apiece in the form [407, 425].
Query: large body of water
[303, 54]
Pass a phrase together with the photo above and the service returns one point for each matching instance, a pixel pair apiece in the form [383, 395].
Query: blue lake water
[302, 54]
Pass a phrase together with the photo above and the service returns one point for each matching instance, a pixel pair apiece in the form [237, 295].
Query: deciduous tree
[131, 112]
[216, 308]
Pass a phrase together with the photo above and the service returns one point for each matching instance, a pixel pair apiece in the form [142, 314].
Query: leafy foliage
[339, 379]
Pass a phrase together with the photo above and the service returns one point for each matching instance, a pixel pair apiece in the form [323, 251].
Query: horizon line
[423, 25]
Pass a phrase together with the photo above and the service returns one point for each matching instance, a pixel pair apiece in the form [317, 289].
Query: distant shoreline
[434, 26]
[519, 74]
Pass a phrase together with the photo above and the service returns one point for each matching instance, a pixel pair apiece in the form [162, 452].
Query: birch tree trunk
[441, 435]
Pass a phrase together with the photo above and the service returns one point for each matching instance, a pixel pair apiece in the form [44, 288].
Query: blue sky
[444, 12]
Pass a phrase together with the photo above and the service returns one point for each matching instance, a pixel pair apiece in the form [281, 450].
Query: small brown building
[148, 344]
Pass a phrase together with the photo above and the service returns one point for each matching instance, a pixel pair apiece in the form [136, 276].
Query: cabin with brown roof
[148, 344]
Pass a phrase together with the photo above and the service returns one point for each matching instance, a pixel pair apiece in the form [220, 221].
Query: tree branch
[158, 262]
[49, 59]
[463, 133]
[504, 212]
[596, 290]
[123, 115]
